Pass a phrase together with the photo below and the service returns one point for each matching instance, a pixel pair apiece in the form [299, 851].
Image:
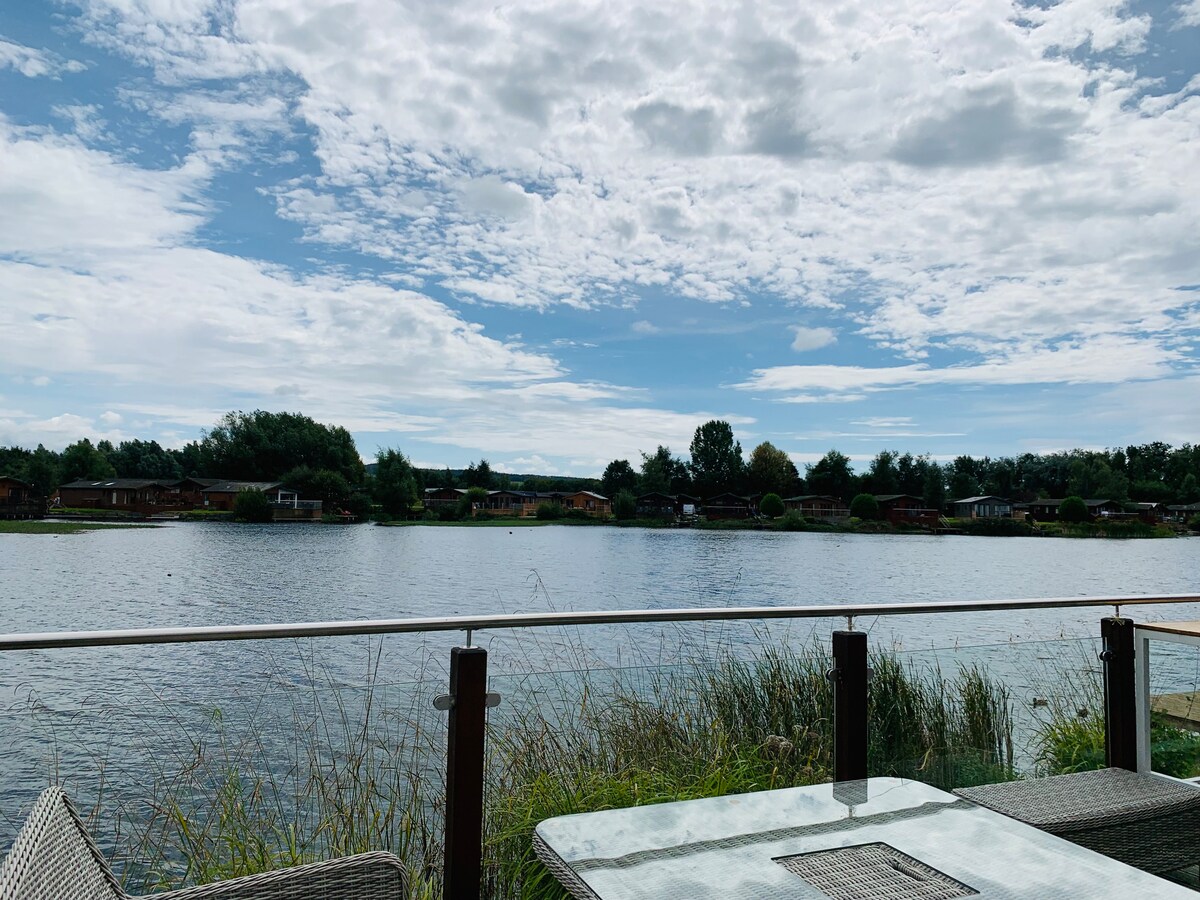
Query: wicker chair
[54, 858]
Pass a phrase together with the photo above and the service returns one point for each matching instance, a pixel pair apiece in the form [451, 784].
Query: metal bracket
[445, 702]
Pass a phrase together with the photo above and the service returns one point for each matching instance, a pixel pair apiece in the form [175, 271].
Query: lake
[63, 705]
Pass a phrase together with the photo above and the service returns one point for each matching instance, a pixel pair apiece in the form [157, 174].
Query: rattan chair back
[54, 858]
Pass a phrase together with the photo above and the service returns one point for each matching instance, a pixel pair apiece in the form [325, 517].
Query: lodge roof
[233, 487]
[119, 484]
[981, 499]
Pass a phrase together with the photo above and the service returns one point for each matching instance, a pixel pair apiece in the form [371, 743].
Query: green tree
[883, 475]
[1073, 509]
[864, 506]
[624, 505]
[261, 446]
[318, 484]
[42, 471]
[965, 476]
[618, 476]
[831, 475]
[663, 472]
[771, 471]
[934, 489]
[83, 461]
[1189, 491]
[549, 510]
[473, 499]
[252, 506]
[143, 459]
[479, 476]
[716, 464]
[771, 506]
[395, 485]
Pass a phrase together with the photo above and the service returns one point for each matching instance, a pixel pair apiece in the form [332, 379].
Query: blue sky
[555, 234]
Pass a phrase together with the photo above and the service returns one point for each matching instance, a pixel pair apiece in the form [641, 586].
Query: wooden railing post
[1120, 697]
[850, 730]
[467, 704]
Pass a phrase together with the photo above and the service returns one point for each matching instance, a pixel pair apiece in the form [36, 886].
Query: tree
[716, 464]
[43, 472]
[142, 459]
[618, 476]
[624, 505]
[1073, 509]
[883, 476]
[934, 489]
[252, 506]
[261, 446]
[831, 475]
[663, 472]
[395, 485]
[472, 500]
[771, 471]
[82, 460]
[479, 476]
[320, 484]
[864, 506]
[771, 506]
[1189, 491]
[964, 475]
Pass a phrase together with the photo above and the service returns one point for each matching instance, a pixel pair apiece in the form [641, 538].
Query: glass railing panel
[1174, 689]
[315, 749]
[990, 713]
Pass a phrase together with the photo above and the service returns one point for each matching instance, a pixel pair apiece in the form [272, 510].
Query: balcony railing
[468, 699]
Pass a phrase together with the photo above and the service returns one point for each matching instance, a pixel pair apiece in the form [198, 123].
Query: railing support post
[849, 705]
[464, 773]
[1120, 695]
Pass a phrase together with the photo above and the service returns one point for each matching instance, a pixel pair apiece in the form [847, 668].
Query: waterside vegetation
[361, 770]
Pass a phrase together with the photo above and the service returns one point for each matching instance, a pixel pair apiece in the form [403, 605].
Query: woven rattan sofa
[54, 858]
[1140, 818]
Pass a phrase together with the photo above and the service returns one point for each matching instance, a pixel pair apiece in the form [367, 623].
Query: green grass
[24, 526]
[358, 773]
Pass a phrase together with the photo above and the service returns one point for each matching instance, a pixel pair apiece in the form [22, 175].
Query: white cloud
[1106, 359]
[1189, 14]
[33, 63]
[812, 338]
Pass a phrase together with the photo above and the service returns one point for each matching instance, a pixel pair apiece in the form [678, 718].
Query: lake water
[221, 574]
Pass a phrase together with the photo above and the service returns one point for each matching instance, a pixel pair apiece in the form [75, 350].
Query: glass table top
[754, 845]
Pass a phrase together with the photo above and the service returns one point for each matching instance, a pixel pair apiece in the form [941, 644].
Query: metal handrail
[199, 634]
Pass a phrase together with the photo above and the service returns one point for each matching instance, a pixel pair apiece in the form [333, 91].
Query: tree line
[1154, 472]
[323, 462]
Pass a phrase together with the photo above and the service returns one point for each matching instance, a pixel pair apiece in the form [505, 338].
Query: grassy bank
[359, 773]
[42, 526]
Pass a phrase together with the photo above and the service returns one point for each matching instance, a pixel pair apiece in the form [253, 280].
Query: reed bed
[332, 771]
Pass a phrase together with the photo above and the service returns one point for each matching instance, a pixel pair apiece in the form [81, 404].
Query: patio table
[880, 839]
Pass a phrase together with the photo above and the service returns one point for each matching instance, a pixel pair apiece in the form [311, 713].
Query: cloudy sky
[558, 233]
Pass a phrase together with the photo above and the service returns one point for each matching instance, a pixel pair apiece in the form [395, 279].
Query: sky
[556, 233]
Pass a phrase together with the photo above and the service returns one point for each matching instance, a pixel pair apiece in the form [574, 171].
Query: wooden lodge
[817, 506]
[987, 507]
[908, 510]
[18, 500]
[137, 495]
[728, 506]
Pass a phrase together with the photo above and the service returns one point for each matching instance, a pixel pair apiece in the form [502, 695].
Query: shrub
[549, 510]
[792, 521]
[864, 506]
[252, 506]
[1073, 509]
[472, 499]
[1194, 523]
[772, 506]
[624, 505]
